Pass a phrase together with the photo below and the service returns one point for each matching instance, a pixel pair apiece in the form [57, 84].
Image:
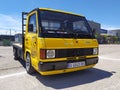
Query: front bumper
[63, 65]
[65, 70]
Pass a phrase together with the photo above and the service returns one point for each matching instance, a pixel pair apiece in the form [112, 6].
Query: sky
[105, 12]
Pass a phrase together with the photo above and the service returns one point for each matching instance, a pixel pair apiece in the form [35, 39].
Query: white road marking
[106, 58]
[11, 75]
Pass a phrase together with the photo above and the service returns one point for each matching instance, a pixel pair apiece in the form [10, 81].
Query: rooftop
[61, 11]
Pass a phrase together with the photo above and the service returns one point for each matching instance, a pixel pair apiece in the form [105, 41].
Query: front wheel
[29, 67]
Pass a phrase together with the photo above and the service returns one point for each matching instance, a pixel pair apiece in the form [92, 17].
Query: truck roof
[61, 11]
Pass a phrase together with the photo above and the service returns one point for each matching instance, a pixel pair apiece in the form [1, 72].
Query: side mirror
[30, 27]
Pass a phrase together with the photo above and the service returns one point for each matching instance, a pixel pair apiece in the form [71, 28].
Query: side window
[32, 24]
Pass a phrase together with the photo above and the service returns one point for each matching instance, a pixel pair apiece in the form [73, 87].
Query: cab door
[31, 37]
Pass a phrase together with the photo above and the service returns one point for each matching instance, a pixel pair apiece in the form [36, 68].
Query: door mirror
[30, 27]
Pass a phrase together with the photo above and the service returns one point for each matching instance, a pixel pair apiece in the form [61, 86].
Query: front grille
[61, 53]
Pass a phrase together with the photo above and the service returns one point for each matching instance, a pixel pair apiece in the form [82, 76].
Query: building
[103, 32]
[115, 32]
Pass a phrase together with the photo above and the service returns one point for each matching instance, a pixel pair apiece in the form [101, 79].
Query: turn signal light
[42, 53]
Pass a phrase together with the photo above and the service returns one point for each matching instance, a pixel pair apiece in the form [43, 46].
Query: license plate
[76, 64]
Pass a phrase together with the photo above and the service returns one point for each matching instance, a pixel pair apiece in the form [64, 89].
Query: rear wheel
[16, 57]
[29, 67]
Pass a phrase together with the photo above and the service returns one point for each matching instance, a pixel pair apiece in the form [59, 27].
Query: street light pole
[10, 32]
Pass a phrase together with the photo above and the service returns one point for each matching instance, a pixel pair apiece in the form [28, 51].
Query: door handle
[34, 42]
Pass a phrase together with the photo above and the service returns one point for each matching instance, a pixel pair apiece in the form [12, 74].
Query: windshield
[56, 24]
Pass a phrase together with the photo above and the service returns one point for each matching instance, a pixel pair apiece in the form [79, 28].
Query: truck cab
[57, 42]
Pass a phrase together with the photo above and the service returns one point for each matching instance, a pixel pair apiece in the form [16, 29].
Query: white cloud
[110, 27]
[9, 22]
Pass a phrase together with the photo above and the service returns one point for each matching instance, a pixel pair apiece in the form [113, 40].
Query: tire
[16, 57]
[29, 68]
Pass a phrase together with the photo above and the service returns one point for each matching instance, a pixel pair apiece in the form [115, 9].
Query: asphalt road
[104, 76]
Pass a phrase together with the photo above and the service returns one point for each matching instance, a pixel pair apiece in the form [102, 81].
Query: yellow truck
[55, 42]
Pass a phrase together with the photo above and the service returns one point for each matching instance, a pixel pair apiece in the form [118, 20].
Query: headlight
[95, 50]
[50, 53]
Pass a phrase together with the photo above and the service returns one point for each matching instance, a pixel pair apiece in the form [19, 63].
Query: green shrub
[6, 42]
